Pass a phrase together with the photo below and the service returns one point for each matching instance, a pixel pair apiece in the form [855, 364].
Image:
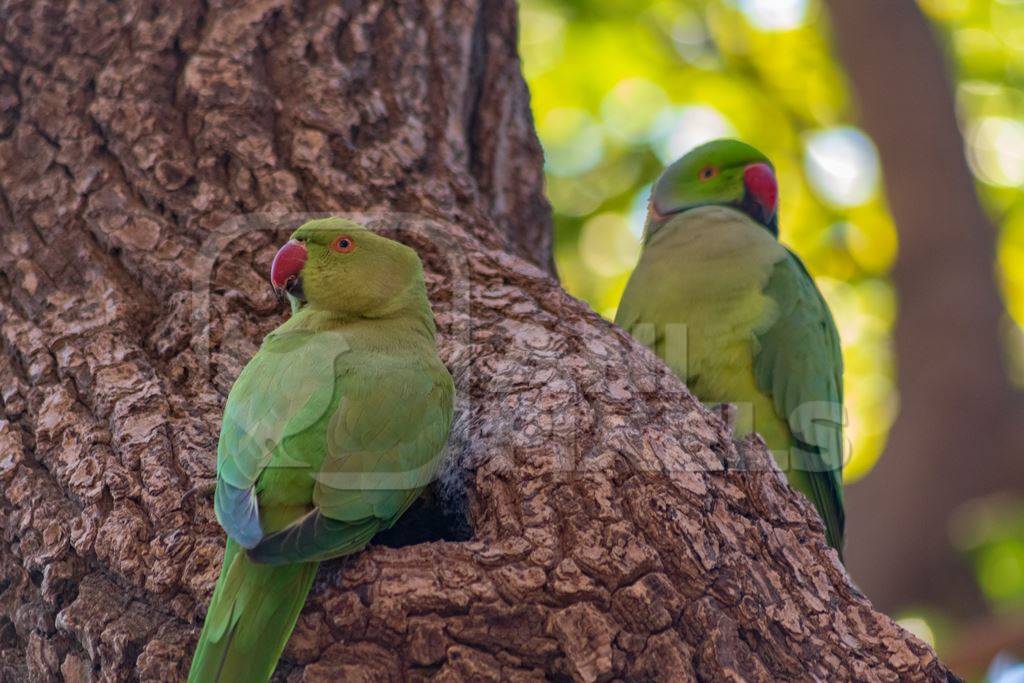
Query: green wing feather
[321, 447]
[798, 362]
[385, 442]
[285, 389]
[283, 394]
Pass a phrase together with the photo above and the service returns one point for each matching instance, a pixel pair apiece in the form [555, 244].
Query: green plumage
[736, 315]
[798, 362]
[250, 618]
[330, 432]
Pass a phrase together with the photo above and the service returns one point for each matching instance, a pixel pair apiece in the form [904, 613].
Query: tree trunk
[952, 440]
[598, 523]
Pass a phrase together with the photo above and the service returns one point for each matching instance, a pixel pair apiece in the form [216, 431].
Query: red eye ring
[343, 244]
[707, 173]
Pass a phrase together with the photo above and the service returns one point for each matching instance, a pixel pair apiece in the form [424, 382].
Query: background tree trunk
[613, 532]
[953, 440]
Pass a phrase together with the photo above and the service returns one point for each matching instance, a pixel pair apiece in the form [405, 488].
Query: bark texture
[958, 433]
[615, 530]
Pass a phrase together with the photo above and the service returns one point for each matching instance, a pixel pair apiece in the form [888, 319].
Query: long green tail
[251, 617]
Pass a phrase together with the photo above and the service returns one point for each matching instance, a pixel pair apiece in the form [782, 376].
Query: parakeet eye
[708, 172]
[343, 244]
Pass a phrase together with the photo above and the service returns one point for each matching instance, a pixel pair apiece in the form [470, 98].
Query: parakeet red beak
[285, 271]
[761, 185]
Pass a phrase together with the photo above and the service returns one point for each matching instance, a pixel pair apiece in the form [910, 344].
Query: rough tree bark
[958, 433]
[613, 535]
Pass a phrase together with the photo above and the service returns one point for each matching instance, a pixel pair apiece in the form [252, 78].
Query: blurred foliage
[990, 532]
[621, 89]
[985, 42]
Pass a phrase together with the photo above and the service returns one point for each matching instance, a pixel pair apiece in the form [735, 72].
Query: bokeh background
[620, 88]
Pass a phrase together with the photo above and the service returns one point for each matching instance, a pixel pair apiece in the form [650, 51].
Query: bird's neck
[402, 328]
[656, 224]
[713, 229]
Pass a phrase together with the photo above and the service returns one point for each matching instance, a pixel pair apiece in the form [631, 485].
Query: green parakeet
[736, 315]
[330, 432]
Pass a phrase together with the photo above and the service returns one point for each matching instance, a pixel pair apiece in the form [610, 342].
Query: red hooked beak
[760, 182]
[287, 265]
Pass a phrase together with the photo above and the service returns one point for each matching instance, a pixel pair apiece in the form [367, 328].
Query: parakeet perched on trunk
[330, 432]
[735, 314]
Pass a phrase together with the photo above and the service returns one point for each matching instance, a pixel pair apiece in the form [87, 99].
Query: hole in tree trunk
[430, 518]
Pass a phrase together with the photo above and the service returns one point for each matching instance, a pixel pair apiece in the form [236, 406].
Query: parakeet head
[722, 172]
[335, 265]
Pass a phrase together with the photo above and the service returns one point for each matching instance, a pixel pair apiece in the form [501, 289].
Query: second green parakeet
[736, 315]
[330, 432]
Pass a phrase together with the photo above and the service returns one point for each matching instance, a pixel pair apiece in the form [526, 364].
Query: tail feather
[251, 616]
